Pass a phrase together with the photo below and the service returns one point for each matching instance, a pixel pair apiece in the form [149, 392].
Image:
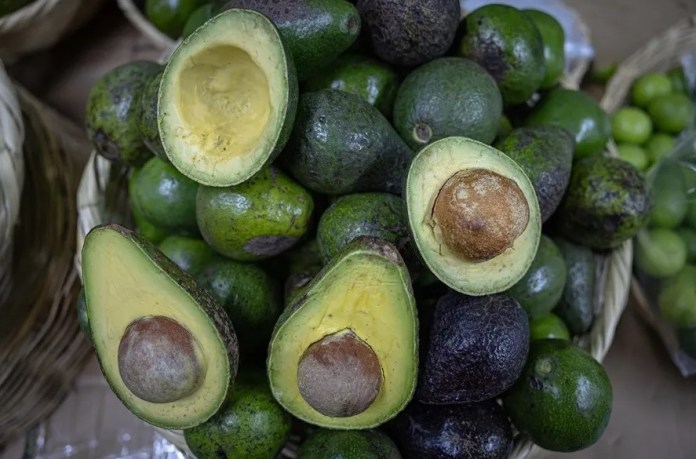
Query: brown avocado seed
[339, 375]
[480, 213]
[158, 360]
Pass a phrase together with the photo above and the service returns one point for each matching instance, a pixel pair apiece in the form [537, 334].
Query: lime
[660, 252]
[678, 80]
[677, 299]
[633, 154]
[649, 86]
[691, 214]
[548, 325]
[631, 125]
[671, 113]
[658, 145]
[668, 196]
[688, 235]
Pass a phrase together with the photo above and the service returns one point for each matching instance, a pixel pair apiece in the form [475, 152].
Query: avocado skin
[478, 347]
[316, 31]
[341, 144]
[410, 32]
[348, 444]
[553, 37]
[190, 254]
[506, 43]
[607, 202]
[687, 340]
[251, 425]
[475, 430]
[113, 113]
[545, 154]
[452, 96]
[147, 123]
[82, 319]
[576, 306]
[565, 408]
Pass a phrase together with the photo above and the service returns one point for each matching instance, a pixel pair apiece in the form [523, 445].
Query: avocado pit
[479, 213]
[339, 375]
[159, 360]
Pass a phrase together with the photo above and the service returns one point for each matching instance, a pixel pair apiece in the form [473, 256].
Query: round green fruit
[634, 155]
[631, 125]
[649, 86]
[660, 253]
[672, 113]
[677, 299]
[548, 326]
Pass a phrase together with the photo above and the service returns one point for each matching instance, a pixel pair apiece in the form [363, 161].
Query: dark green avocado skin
[148, 117]
[113, 113]
[341, 144]
[315, 31]
[476, 430]
[576, 306]
[348, 444]
[478, 347]
[410, 32]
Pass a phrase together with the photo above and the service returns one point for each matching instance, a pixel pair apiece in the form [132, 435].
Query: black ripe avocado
[545, 154]
[227, 99]
[348, 444]
[315, 31]
[505, 42]
[167, 349]
[477, 349]
[472, 430]
[473, 215]
[410, 32]
[344, 355]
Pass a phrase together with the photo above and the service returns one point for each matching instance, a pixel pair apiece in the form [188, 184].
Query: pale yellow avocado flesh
[366, 294]
[430, 169]
[121, 285]
[223, 98]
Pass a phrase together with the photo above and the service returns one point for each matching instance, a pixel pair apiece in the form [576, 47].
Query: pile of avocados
[372, 227]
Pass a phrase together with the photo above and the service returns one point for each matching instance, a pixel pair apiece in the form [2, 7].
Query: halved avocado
[168, 351]
[344, 355]
[473, 214]
[227, 99]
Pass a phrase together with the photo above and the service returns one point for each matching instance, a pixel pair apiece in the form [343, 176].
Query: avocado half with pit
[167, 349]
[227, 99]
[473, 214]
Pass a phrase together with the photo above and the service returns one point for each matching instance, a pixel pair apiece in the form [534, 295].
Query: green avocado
[10, 6]
[113, 112]
[146, 229]
[304, 262]
[688, 235]
[249, 296]
[147, 123]
[364, 76]
[410, 32]
[170, 16]
[188, 253]
[477, 349]
[545, 154]
[576, 306]
[316, 31]
[251, 425]
[607, 202]
[687, 340]
[548, 326]
[553, 36]
[579, 114]
[669, 198]
[257, 219]
[364, 214]
[82, 319]
[348, 444]
[505, 41]
[450, 96]
[341, 144]
[200, 16]
[563, 398]
[542, 286]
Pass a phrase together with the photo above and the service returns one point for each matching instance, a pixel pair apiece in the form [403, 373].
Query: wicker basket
[41, 347]
[134, 12]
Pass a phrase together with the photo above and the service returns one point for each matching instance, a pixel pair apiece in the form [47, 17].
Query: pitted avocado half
[227, 99]
[168, 351]
[473, 214]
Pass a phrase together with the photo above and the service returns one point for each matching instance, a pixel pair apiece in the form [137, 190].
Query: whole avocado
[576, 306]
[147, 122]
[607, 202]
[113, 112]
[410, 32]
[348, 444]
[553, 36]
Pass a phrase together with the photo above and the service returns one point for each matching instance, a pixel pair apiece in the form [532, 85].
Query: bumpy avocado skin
[576, 306]
[506, 43]
[410, 32]
[348, 444]
[553, 36]
[251, 425]
[478, 347]
[545, 154]
[606, 204]
[147, 122]
[316, 31]
[341, 144]
[475, 430]
[113, 112]
[190, 254]
[450, 96]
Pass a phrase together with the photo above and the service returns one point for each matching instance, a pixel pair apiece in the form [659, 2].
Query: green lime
[631, 125]
[691, 214]
[677, 299]
[660, 252]
[688, 235]
[678, 79]
[633, 154]
[671, 113]
[548, 326]
[658, 145]
[668, 196]
[170, 16]
[649, 86]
